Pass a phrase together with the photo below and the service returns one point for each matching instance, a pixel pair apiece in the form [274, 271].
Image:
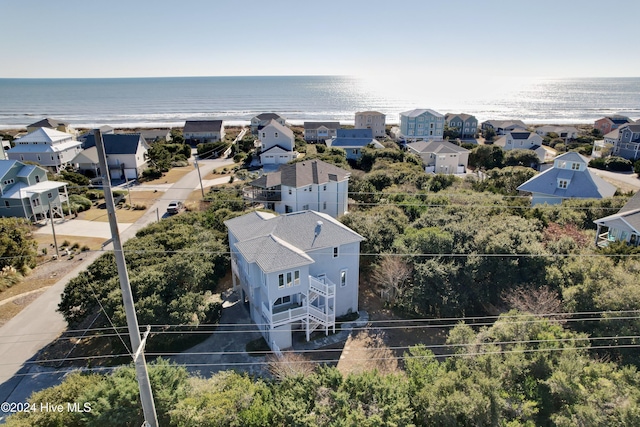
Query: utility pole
[146, 395]
[195, 159]
[53, 228]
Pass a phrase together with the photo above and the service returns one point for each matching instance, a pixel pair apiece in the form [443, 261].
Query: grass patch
[174, 175]
[257, 347]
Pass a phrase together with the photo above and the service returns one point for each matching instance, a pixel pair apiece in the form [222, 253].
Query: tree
[18, 248]
[390, 275]
[159, 157]
[486, 157]
[526, 158]
[636, 167]
[489, 134]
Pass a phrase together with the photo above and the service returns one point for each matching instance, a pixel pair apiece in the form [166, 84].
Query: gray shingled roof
[582, 184]
[272, 253]
[48, 123]
[420, 111]
[116, 143]
[316, 125]
[436, 147]
[520, 135]
[306, 230]
[301, 174]
[202, 126]
[268, 116]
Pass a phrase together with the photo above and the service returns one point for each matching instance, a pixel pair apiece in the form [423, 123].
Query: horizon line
[283, 75]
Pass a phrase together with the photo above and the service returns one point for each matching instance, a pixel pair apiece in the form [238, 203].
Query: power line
[332, 361]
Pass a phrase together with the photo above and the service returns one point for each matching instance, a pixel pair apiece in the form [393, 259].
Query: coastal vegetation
[18, 251]
[174, 268]
[543, 324]
[523, 370]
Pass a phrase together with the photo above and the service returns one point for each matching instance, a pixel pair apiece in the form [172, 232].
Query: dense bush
[618, 164]
[151, 173]
[77, 204]
[17, 245]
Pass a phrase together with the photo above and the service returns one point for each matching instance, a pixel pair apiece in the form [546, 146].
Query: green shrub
[151, 173]
[76, 204]
[618, 164]
[94, 194]
[598, 163]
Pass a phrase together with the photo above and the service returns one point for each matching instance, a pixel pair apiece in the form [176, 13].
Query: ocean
[168, 102]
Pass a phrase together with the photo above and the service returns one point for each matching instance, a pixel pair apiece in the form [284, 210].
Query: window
[335, 252]
[324, 188]
[264, 135]
[289, 281]
[36, 202]
[6, 203]
[282, 300]
[305, 207]
[280, 281]
[343, 278]
[563, 183]
[296, 278]
[49, 195]
[289, 191]
[324, 205]
[276, 135]
[575, 166]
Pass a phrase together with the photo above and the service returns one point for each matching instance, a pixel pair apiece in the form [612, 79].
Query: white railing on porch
[291, 315]
[317, 314]
[326, 289]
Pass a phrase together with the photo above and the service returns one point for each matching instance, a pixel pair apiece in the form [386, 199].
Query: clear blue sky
[116, 38]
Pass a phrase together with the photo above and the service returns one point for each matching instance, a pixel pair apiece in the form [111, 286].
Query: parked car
[174, 207]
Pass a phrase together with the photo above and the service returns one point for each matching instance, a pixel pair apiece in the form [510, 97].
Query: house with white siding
[441, 156]
[294, 272]
[263, 119]
[47, 147]
[522, 140]
[126, 155]
[202, 131]
[277, 144]
[320, 131]
[307, 185]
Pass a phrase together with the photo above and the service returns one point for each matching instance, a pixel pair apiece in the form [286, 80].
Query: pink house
[609, 123]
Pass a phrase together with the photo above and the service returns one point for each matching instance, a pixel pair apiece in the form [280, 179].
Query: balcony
[285, 315]
[259, 195]
[324, 287]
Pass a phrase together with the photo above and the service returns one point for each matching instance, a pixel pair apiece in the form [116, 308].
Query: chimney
[318, 228]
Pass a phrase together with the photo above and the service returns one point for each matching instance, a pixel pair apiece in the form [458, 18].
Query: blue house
[569, 178]
[421, 124]
[352, 141]
[25, 192]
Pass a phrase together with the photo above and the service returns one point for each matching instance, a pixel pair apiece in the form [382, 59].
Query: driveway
[628, 178]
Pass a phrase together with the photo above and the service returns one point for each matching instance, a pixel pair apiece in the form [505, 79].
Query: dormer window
[563, 183]
[575, 166]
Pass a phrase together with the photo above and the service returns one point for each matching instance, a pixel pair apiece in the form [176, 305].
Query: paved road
[626, 177]
[39, 323]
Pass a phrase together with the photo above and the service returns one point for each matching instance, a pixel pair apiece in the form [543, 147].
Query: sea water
[162, 102]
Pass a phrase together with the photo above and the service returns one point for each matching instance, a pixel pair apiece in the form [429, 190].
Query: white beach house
[295, 272]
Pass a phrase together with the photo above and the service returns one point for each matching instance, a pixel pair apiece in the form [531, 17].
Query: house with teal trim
[25, 192]
[421, 124]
